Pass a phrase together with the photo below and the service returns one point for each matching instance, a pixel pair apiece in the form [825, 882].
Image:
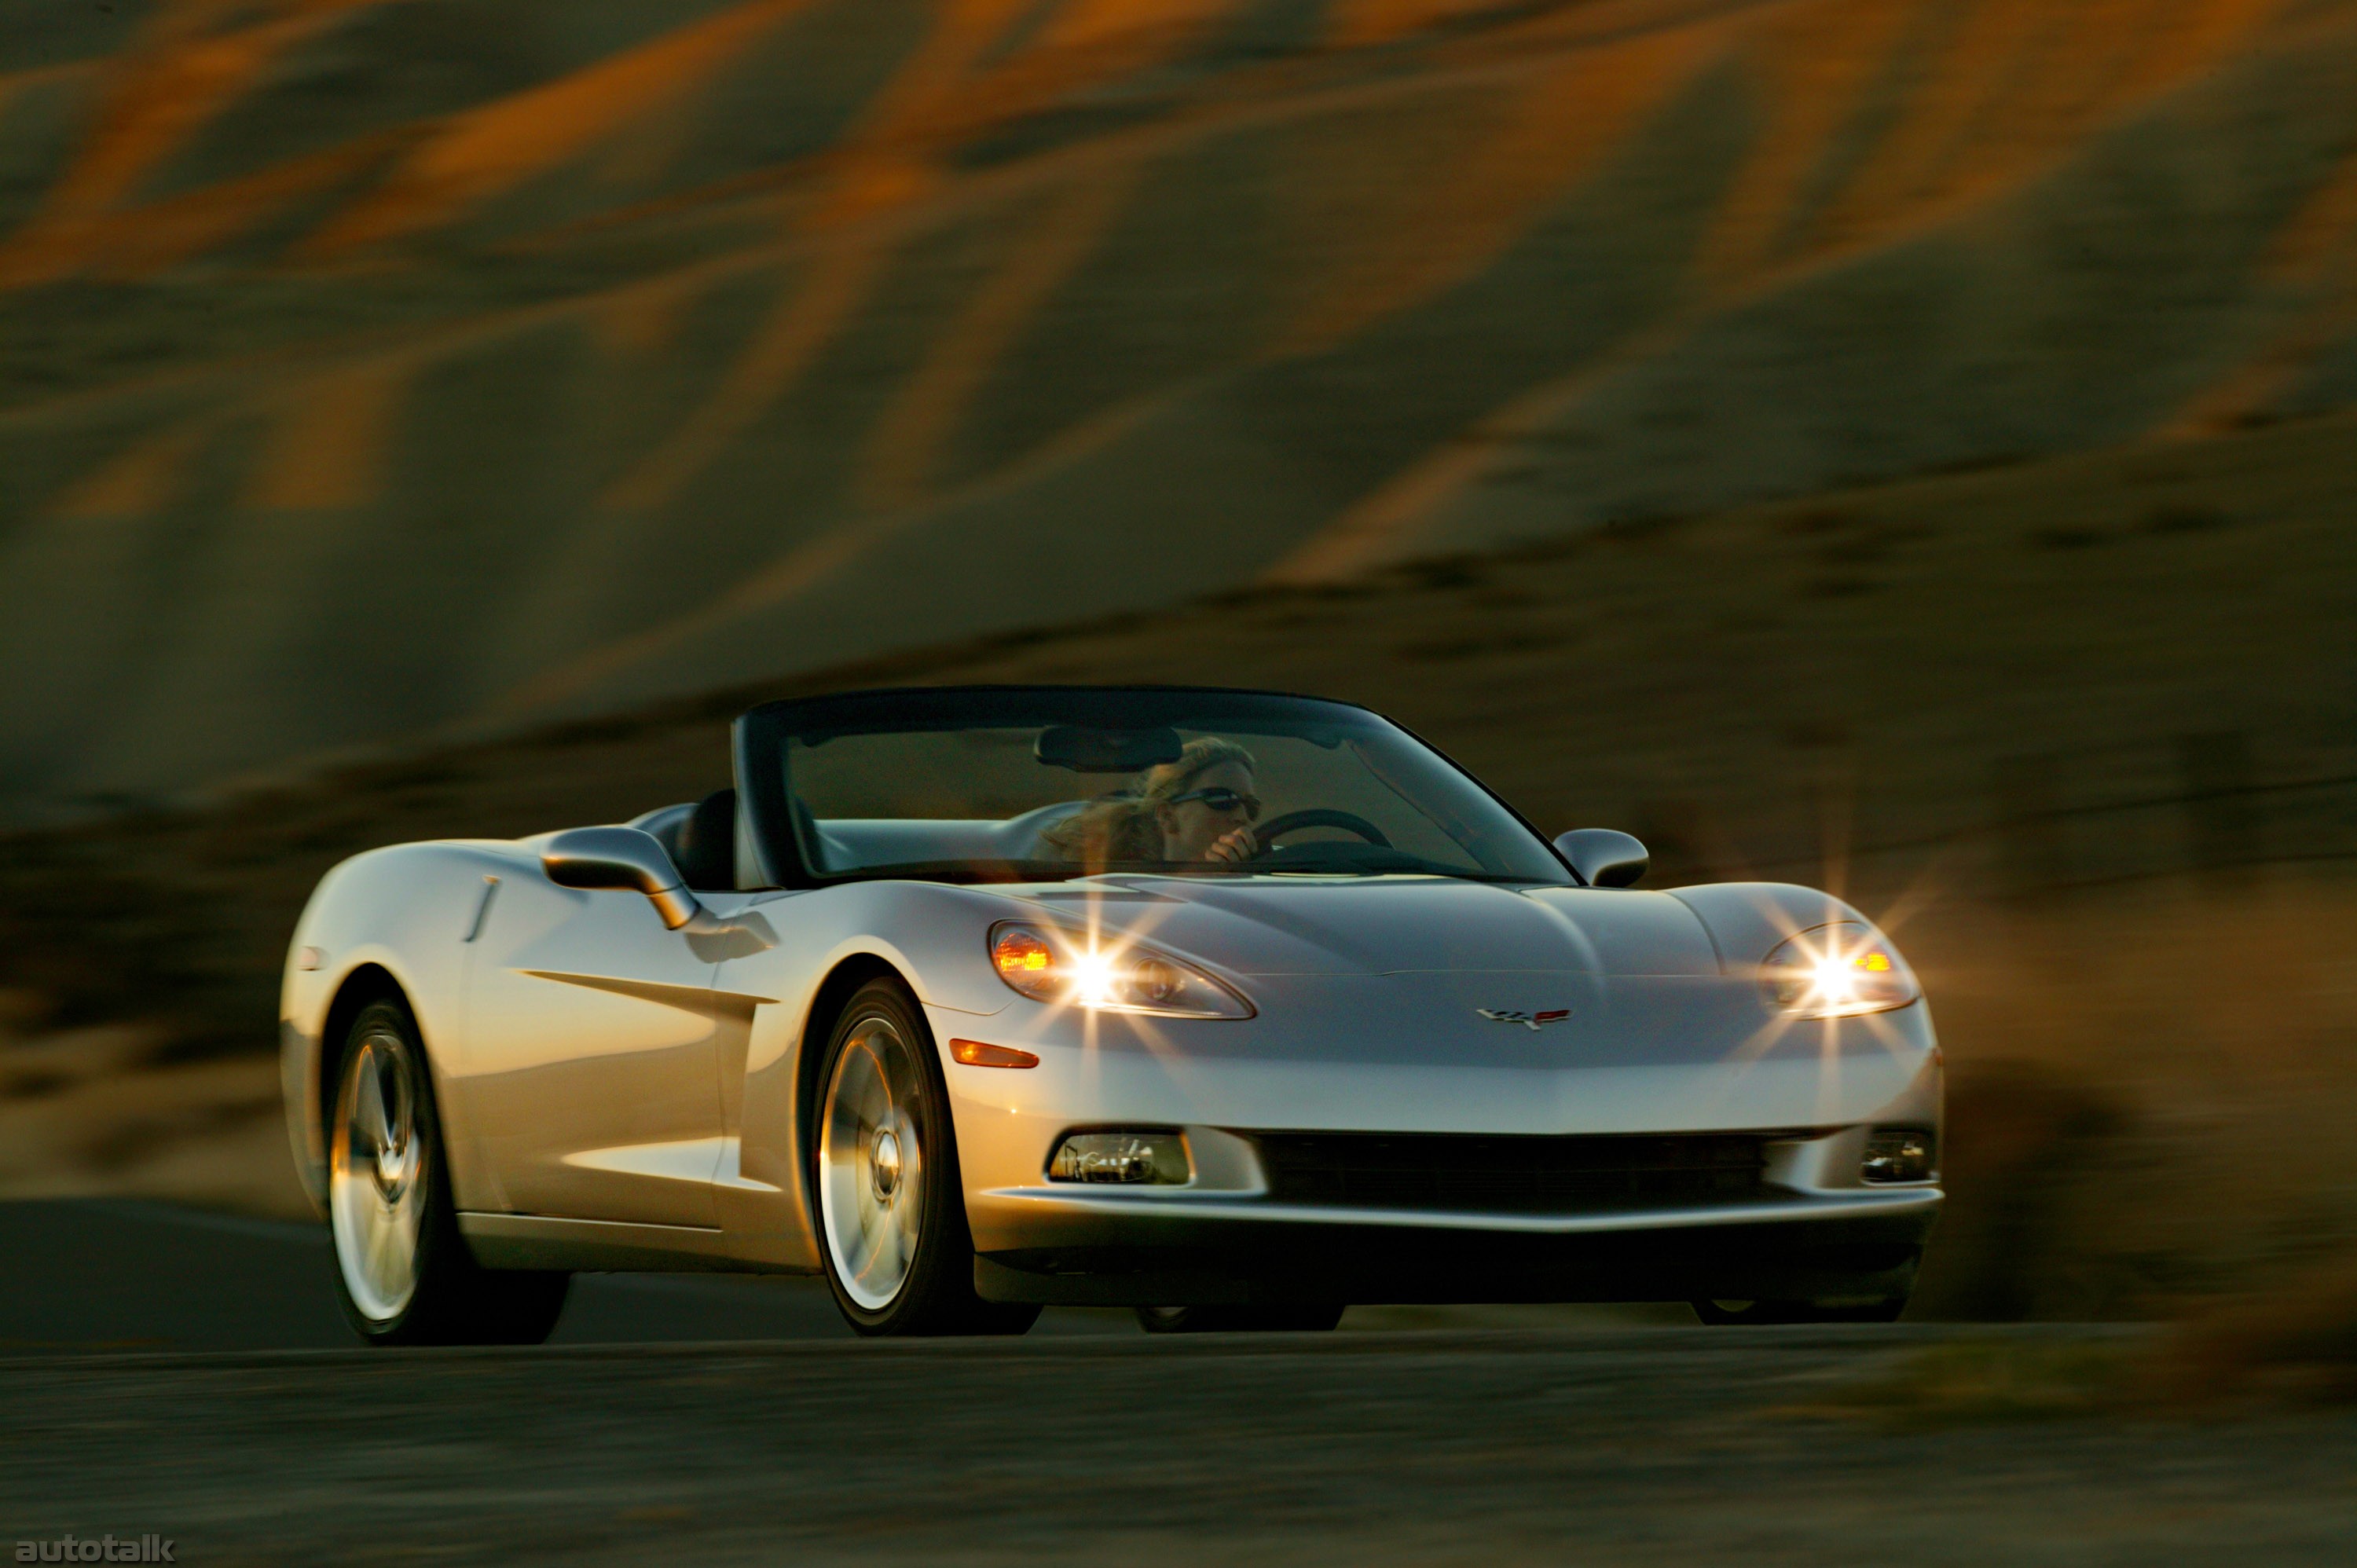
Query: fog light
[1159, 1159]
[1899, 1154]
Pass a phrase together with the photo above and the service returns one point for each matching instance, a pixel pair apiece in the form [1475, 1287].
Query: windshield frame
[771, 849]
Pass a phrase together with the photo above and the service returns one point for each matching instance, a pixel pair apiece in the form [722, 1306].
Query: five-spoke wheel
[884, 1170]
[405, 1274]
[871, 1163]
[376, 1184]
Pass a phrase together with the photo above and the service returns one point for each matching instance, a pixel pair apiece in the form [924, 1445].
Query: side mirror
[620, 857]
[1604, 857]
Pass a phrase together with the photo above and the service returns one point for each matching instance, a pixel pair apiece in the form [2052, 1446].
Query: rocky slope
[372, 369]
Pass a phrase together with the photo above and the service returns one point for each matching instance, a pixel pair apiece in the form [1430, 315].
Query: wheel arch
[367, 983]
[392, 921]
[940, 1295]
[827, 1002]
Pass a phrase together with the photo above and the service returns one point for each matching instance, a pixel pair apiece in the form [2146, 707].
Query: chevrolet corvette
[1235, 1008]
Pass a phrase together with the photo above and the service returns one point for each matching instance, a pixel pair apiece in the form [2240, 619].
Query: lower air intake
[1511, 1174]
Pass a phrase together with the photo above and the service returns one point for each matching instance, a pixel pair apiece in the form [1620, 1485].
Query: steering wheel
[1320, 817]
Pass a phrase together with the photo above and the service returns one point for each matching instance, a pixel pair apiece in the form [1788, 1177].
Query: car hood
[1389, 925]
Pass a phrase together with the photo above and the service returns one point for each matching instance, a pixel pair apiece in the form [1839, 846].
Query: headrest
[707, 844]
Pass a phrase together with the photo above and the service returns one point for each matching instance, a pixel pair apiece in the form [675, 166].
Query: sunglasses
[1222, 800]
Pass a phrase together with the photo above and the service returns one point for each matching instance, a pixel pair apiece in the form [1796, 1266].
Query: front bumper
[1115, 1249]
[1668, 1057]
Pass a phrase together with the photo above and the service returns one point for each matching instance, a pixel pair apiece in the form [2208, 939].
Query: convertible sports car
[1228, 1006]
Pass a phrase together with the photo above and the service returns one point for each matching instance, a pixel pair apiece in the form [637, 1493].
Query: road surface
[1638, 1446]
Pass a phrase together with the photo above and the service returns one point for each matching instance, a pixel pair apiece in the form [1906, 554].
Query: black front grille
[1516, 1175]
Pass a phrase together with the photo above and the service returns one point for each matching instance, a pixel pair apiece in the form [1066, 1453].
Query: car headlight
[1839, 971]
[1116, 976]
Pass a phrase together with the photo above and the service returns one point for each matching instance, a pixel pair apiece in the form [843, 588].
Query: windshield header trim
[885, 710]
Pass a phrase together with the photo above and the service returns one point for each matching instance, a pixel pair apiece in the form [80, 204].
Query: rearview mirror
[1604, 857]
[1086, 750]
[622, 858]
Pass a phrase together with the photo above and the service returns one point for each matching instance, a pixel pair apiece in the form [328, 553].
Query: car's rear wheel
[1315, 1318]
[404, 1273]
[1759, 1312]
[891, 1209]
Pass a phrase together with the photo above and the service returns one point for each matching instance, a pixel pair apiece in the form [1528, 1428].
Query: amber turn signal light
[973, 1053]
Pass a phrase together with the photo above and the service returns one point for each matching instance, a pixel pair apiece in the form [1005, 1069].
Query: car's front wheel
[891, 1210]
[406, 1275]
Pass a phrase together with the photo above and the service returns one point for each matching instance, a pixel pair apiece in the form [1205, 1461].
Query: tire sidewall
[940, 1279]
[440, 1246]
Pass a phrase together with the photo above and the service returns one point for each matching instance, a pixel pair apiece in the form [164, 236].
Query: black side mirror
[1604, 857]
[620, 858]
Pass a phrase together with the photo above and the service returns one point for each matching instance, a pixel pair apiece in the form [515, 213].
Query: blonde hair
[1124, 827]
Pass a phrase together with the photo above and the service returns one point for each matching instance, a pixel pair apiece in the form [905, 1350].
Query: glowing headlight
[1047, 964]
[1839, 971]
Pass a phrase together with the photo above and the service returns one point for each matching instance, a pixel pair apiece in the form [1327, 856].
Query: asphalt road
[104, 1274]
[1609, 1446]
[96, 1276]
[1625, 1446]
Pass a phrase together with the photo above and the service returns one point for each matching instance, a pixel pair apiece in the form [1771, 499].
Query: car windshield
[1045, 784]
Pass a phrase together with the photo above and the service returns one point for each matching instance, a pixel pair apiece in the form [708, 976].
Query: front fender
[1747, 919]
[404, 913]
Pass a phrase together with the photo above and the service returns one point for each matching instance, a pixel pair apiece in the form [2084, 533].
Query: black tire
[893, 1238]
[436, 1293]
[1759, 1312]
[1314, 1318]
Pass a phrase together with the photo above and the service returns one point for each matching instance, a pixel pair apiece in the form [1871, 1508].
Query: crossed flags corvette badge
[1532, 1021]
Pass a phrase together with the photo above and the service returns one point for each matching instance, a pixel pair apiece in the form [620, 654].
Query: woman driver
[1195, 810]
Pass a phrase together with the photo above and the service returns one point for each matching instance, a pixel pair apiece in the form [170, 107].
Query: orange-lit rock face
[481, 313]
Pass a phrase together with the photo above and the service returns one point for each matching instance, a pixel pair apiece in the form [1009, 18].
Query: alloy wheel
[871, 1163]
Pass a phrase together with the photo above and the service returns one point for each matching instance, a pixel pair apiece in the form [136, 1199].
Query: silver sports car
[1228, 1006]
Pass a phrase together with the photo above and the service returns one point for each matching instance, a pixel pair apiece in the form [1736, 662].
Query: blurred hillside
[2083, 731]
[378, 367]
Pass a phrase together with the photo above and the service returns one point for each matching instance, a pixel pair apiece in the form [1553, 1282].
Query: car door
[588, 1067]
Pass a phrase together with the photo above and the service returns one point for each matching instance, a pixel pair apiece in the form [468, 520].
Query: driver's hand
[1232, 846]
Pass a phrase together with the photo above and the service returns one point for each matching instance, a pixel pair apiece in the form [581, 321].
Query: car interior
[701, 839]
